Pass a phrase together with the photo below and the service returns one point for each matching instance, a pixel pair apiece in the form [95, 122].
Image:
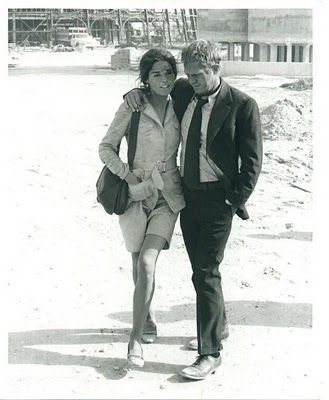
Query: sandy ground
[69, 277]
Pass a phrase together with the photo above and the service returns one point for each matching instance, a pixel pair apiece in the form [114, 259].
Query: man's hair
[206, 53]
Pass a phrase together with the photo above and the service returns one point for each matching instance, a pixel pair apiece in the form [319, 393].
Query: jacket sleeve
[181, 94]
[182, 89]
[250, 149]
[110, 144]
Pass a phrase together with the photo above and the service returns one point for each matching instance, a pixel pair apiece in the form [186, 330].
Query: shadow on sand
[259, 313]
[21, 348]
[294, 235]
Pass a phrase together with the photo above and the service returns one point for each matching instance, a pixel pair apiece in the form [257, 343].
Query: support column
[263, 52]
[128, 33]
[245, 52]
[231, 51]
[111, 27]
[281, 55]
[310, 54]
[256, 53]
[273, 55]
[105, 38]
[289, 52]
[307, 53]
[301, 55]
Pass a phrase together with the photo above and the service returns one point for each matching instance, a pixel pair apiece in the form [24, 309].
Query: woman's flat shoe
[135, 357]
[149, 332]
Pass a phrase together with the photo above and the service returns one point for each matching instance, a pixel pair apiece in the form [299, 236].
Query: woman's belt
[161, 166]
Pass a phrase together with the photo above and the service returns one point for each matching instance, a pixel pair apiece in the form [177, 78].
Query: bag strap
[132, 136]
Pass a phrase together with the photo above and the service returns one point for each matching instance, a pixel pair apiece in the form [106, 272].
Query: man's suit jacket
[234, 139]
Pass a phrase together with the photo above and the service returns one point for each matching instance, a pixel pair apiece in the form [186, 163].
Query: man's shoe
[193, 344]
[202, 367]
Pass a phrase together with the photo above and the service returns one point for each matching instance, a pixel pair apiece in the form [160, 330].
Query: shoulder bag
[112, 191]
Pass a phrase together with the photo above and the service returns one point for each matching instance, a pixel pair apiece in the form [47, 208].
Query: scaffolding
[122, 27]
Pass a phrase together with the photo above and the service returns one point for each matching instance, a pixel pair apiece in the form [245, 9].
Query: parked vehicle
[13, 59]
[75, 37]
[61, 48]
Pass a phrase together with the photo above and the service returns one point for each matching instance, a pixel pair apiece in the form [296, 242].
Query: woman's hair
[206, 53]
[152, 56]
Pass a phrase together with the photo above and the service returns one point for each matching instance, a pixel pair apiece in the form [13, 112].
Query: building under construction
[263, 36]
[131, 27]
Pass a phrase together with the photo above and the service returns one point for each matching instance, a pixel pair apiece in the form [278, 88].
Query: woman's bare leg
[145, 284]
[151, 313]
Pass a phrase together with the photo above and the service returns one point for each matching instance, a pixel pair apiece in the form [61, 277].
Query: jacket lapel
[219, 112]
[150, 112]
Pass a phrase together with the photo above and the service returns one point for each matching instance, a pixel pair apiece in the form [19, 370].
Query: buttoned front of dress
[156, 142]
[155, 161]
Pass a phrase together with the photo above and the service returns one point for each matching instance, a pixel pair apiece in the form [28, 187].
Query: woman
[154, 186]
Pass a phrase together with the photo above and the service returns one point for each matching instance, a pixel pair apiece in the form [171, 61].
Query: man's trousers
[206, 225]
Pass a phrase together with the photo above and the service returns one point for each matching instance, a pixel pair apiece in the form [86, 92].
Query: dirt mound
[286, 120]
[301, 84]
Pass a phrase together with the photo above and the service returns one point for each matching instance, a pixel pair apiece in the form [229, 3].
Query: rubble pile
[286, 120]
[120, 59]
[301, 84]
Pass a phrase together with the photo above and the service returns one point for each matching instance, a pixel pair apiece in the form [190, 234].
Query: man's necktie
[191, 164]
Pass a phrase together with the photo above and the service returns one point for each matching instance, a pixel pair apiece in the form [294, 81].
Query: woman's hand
[142, 190]
[132, 179]
[135, 100]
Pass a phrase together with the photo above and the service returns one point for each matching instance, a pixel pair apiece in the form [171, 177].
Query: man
[221, 160]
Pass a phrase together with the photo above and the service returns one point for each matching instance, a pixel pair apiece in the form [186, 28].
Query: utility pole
[106, 31]
[14, 25]
[120, 26]
[193, 21]
[147, 26]
[184, 24]
[168, 24]
[87, 19]
[50, 32]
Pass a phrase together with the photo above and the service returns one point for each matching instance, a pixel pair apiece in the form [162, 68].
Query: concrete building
[263, 35]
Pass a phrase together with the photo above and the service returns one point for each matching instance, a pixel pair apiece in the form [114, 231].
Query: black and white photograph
[163, 207]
